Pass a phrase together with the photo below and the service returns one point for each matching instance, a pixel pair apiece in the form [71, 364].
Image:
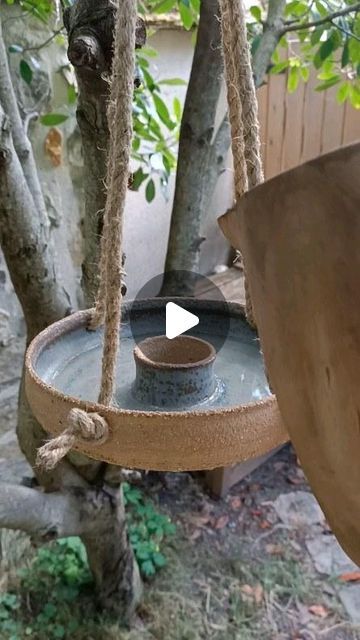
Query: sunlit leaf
[177, 108]
[256, 13]
[71, 94]
[52, 119]
[186, 15]
[173, 81]
[343, 92]
[293, 79]
[164, 6]
[328, 83]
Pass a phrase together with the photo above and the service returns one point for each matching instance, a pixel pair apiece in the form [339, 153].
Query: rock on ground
[298, 509]
[328, 557]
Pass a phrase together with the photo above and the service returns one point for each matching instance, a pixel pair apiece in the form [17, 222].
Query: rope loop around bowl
[89, 427]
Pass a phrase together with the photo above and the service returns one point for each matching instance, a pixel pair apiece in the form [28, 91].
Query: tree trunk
[202, 154]
[29, 253]
[90, 27]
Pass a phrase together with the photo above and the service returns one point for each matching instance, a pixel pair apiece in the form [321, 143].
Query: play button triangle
[178, 320]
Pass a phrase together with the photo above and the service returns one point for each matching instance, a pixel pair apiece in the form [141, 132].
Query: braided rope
[91, 426]
[243, 109]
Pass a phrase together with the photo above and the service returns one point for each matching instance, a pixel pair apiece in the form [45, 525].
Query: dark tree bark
[202, 153]
[90, 28]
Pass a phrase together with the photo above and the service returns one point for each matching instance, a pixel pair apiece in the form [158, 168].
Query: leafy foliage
[148, 529]
[43, 605]
[188, 10]
[156, 129]
[156, 123]
[331, 46]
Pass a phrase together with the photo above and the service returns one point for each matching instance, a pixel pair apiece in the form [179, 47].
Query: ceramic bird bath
[199, 401]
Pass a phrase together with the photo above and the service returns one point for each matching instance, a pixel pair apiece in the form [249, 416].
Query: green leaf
[256, 13]
[291, 7]
[71, 94]
[16, 48]
[52, 119]
[177, 108]
[173, 82]
[150, 52]
[186, 15]
[316, 36]
[149, 80]
[343, 92]
[323, 11]
[305, 73]
[139, 176]
[293, 79]
[148, 568]
[195, 5]
[355, 97]
[162, 111]
[59, 631]
[326, 48]
[328, 83]
[165, 6]
[150, 191]
[25, 71]
[159, 560]
[279, 67]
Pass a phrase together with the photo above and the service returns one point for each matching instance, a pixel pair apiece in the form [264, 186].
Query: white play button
[178, 320]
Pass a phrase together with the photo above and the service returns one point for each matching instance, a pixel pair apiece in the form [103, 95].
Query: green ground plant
[40, 605]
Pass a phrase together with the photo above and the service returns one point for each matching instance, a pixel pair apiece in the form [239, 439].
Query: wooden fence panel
[300, 126]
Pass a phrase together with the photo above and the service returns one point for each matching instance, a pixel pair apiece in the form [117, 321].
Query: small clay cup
[175, 373]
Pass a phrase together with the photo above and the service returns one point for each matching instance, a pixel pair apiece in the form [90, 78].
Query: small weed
[47, 602]
[148, 528]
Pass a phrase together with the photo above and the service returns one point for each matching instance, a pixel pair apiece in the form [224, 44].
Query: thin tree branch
[21, 142]
[74, 512]
[24, 238]
[317, 23]
[269, 40]
[46, 42]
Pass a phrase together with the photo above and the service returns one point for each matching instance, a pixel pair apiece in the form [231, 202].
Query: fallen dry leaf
[258, 593]
[274, 549]
[221, 522]
[235, 503]
[264, 524]
[351, 576]
[318, 610]
[255, 593]
[195, 535]
[53, 146]
[198, 520]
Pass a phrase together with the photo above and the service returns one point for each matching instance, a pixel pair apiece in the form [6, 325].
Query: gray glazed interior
[72, 363]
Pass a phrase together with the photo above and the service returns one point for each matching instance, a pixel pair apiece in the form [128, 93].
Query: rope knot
[90, 427]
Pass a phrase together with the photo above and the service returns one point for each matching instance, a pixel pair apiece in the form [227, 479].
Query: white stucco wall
[146, 225]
